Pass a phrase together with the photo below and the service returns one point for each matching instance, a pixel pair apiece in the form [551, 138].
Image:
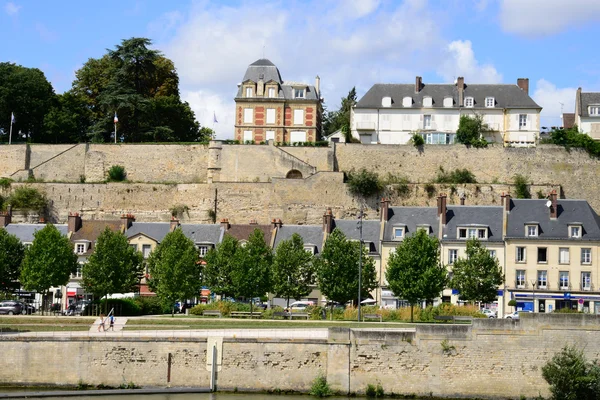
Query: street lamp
[360, 226]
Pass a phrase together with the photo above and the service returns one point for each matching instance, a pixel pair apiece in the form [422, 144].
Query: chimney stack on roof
[442, 207]
[523, 83]
[460, 86]
[553, 205]
[506, 201]
[318, 86]
[74, 222]
[328, 221]
[462, 199]
[174, 224]
[384, 210]
[126, 221]
[418, 84]
[225, 224]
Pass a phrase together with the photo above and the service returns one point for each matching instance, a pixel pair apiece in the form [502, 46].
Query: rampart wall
[489, 359]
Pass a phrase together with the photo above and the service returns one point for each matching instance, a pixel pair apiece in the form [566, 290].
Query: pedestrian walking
[111, 326]
[101, 324]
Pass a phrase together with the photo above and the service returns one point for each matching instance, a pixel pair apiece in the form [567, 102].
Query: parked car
[11, 307]
[27, 308]
[300, 305]
[515, 315]
[488, 313]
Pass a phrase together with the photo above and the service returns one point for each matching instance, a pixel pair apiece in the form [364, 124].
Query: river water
[176, 396]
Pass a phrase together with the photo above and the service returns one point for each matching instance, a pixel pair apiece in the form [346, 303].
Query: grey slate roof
[262, 69]
[24, 232]
[203, 233]
[371, 231]
[311, 234]
[569, 212]
[588, 99]
[409, 218]
[154, 230]
[490, 216]
[506, 96]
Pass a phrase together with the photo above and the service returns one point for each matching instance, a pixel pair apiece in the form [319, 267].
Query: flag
[215, 118]
[116, 118]
[12, 118]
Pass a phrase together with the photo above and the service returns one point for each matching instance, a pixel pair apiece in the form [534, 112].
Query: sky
[346, 42]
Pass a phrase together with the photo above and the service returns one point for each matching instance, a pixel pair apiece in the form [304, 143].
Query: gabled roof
[91, 229]
[24, 232]
[203, 233]
[490, 216]
[410, 218]
[153, 230]
[526, 212]
[588, 99]
[262, 69]
[311, 234]
[505, 95]
[371, 230]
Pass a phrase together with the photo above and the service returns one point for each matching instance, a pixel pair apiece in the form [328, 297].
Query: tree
[12, 252]
[364, 183]
[293, 271]
[478, 276]
[49, 261]
[471, 130]
[414, 271]
[68, 120]
[174, 269]
[251, 275]
[337, 269]
[217, 273]
[571, 376]
[113, 267]
[27, 93]
[340, 119]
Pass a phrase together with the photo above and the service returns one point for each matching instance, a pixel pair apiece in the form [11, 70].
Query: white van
[301, 305]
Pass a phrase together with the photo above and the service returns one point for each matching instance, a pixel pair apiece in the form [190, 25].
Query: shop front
[550, 302]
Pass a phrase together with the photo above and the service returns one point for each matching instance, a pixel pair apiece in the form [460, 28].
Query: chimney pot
[523, 83]
[225, 223]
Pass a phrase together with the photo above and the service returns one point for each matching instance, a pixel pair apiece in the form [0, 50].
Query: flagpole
[10, 134]
[115, 132]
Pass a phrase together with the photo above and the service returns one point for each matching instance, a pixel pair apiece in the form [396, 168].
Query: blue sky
[346, 42]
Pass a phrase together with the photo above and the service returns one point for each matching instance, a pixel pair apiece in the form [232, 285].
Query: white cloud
[207, 104]
[460, 61]
[11, 8]
[553, 100]
[545, 17]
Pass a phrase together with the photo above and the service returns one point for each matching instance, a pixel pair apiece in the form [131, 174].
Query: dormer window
[309, 248]
[424, 227]
[80, 248]
[202, 250]
[427, 101]
[448, 102]
[595, 110]
[298, 93]
[271, 92]
[407, 102]
[386, 102]
[490, 102]
[248, 92]
[469, 102]
[398, 233]
[531, 230]
[472, 233]
[575, 231]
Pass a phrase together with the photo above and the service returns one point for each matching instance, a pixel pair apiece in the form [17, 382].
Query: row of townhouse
[548, 248]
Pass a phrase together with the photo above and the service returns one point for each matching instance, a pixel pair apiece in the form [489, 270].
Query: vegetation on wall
[571, 376]
[471, 131]
[27, 199]
[364, 183]
[117, 173]
[417, 140]
[521, 187]
[458, 176]
[178, 210]
[572, 138]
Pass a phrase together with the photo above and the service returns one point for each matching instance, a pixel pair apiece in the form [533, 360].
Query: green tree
[340, 119]
[174, 269]
[68, 120]
[364, 183]
[251, 275]
[27, 93]
[113, 267]
[337, 269]
[49, 261]
[218, 271]
[414, 271]
[478, 276]
[293, 271]
[28, 199]
[571, 376]
[12, 253]
[471, 131]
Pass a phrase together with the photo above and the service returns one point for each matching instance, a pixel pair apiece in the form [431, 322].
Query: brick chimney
[318, 86]
[5, 218]
[279, 223]
[554, 205]
[327, 221]
[506, 201]
[418, 84]
[225, 224]
[523, 83]
[384, 210]
[174, 224]
[273, 223]
[74, 222]
[442, 207]
[462, 199]
[460, 86]
[126, 221]
[260, 88]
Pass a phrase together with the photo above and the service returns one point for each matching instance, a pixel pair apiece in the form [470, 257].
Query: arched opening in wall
[294, 174]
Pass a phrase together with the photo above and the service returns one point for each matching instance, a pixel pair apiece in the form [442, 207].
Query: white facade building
[392, 113]
[587, 113]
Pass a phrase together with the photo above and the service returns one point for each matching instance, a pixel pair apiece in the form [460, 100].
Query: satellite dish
[548, 204]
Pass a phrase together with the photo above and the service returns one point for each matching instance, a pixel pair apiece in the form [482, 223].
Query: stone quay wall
[488, 359]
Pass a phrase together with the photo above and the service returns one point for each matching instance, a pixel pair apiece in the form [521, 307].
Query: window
[532, 230]
[469, 102]
[482, 233]
[146, 249]
[77, 273]
[522, 121]
[271, 92]
[407, 102]
[247, 136]
[386, 101]
[490, 102]
[575, 231]
[310, 249]
[299, 93]
[492, 253]
[563, 280]
[270, 135]
[247, 115]
[586, 256]
[448, 102]
[426, 121]
[202, 250]
[248, 92]
[563, 255]
[452, 256]
[462, 233]
[398, 233]
[472, 233]
[542, 280]
[427, 101]
[439, 138]
[270, 115]
[586, 281]
[542, 255]
[520, 282]
[298, 136]
[595, 110]
[80, 248]
[521, 254]
[298, 117]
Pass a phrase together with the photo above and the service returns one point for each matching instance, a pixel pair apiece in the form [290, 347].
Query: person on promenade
[101, 324]
[111, 326]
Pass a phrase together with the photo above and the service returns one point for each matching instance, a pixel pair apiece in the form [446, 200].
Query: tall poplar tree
[293, 270]
[218, 270]
[12, 252]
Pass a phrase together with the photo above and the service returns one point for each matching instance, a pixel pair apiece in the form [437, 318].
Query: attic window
[427, 101]
[472, 233]
[386, 101]
[271, 92]
[309, 249]
[298, 93]
[469, 102]
[531, 230]
[424, 227]
[448, 102]
[407, 102]
[490, 102]
[595, 110]
[248, 92]
[575, 231]
[398, 232]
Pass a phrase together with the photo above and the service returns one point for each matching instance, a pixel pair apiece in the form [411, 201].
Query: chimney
[506, 202]
[279, 223]
[418, 84]
[273, 223]
[442, 207]
[385, 208]
[506, 210]
[5, 218]
[462, 199]
[253, 222]
[42, 220]
[225, 224]
[578, 105]
[260, 88]
[327, 221]
[174, 224]
[523, 83]
[318, 86]
[74, 222]
[126, 221]
[460, 86]
[554, 205]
